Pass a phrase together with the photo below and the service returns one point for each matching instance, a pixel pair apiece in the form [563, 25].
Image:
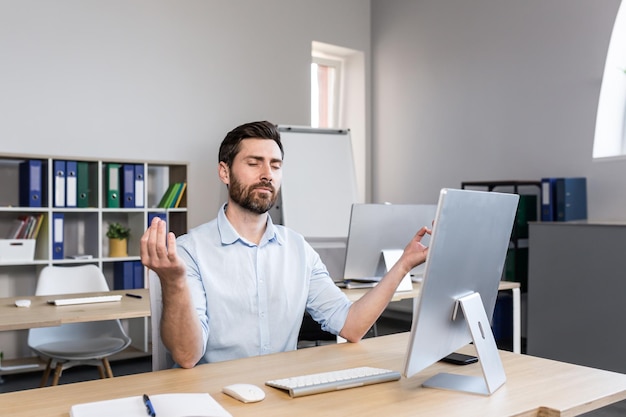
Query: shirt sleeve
[196, 287]
[326, 303]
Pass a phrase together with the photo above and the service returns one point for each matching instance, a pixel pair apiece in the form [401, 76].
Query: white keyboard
[299, 386]
[85, 300]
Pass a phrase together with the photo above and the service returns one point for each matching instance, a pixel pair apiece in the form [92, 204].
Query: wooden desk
[41, 314]
[514, 287]
[534, 387]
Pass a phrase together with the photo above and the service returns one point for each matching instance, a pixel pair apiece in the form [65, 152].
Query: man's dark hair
[260, 130]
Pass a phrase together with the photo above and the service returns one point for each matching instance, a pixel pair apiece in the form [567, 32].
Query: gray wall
[486, 90]
[461, 90]
[161, 79]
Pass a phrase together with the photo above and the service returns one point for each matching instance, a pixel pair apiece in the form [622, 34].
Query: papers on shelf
[351, 284]
[361, 282]
[165, 405]
[369, 282]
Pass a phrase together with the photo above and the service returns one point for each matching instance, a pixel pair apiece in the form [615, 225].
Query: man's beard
[246, 198]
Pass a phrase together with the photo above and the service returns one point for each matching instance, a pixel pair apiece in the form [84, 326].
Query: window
[338, 99]
[325, 81]
[610, 135]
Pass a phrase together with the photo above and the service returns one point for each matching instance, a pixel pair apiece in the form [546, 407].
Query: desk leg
[517, 321]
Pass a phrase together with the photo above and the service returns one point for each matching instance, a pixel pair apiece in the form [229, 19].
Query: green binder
[82, 187]
[167, 196]
[113, 185]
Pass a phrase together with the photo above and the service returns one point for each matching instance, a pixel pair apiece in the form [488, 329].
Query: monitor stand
[389, 258]
[489, 358]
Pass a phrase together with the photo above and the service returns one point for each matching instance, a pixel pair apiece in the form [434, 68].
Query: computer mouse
[22, 303]
[246, 393]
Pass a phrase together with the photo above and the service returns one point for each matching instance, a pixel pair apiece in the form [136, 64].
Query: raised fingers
[153, 243]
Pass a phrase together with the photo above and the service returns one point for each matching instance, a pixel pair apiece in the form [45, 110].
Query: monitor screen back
[467, 251]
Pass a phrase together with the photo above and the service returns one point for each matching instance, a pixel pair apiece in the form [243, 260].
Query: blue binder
[139, 185]
[59, 183]
[123, 275]
[71, 184]
[31, 179]
[571, 199]
[128, 185]
[138, 274]
[57, 236]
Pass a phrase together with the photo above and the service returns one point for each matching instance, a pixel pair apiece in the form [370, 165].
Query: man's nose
[267, 173]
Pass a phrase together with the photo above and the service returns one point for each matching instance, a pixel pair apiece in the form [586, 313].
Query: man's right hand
[160, 256]
[180, 328]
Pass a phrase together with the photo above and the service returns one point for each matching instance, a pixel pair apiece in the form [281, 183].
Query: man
[239, 285]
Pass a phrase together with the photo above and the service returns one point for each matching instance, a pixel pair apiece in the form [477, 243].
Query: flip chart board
[319, 181]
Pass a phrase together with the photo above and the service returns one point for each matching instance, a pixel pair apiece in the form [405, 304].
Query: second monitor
[377, 230]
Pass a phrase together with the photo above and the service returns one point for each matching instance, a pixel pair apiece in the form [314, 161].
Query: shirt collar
[229, 235]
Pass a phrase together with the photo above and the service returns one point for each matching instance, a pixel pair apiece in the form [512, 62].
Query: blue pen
[149, 407]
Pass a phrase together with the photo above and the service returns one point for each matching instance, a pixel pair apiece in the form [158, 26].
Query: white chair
[161, 359]
[68, 345]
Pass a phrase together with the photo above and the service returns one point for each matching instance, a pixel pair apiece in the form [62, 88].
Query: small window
[338, 99]
[325, 81]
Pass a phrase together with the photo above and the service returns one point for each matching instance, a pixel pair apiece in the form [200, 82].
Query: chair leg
[101, 372]
[46, 374]
[107, 367]
[57, 373]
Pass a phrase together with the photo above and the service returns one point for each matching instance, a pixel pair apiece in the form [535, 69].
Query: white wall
[462, 90]
[489, 90]
[161, 79]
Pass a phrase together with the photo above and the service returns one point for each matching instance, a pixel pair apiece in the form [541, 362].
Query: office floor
[385, 326]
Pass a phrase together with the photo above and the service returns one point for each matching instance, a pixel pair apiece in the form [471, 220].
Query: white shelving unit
[84, 231]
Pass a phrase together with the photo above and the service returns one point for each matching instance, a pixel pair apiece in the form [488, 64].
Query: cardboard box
[17, 250]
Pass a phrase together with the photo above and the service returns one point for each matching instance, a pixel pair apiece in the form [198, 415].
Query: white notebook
[165, 405]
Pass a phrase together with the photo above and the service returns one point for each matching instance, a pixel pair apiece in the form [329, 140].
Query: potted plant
[118, 240]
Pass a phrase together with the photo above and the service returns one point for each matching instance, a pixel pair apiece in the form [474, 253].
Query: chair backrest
[161, 359]
[70, 279]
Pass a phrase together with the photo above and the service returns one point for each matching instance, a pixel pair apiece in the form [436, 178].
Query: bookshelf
[84, 227]
[516, 264]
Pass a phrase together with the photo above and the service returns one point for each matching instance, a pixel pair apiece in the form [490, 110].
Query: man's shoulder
[287, 232]
[205, 229]
[290, 237]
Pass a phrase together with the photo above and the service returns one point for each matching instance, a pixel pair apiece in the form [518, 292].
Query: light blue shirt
[250, 298]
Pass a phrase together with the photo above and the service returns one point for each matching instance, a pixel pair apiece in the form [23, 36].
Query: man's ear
[224, 173]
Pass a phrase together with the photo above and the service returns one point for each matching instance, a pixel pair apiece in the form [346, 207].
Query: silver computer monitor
[375, 228]
[467, 250]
